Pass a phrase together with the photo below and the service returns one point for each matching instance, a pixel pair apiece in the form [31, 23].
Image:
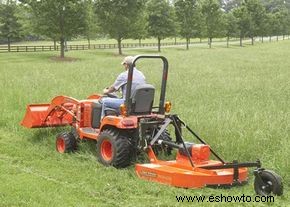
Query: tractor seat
[142, 99]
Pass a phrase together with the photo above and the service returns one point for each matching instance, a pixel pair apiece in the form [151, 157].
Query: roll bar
[128, 100]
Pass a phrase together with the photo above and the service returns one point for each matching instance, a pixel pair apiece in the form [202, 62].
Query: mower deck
[180, 173]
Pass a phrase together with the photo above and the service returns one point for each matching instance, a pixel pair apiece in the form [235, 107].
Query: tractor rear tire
[65, 142]
[113, 149]
[272, 184]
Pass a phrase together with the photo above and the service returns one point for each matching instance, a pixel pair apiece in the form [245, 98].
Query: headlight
[167, 106]
[123, 110]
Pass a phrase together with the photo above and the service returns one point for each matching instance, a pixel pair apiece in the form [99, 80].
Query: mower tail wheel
[113, 149]
[268, 182]
[65, 142]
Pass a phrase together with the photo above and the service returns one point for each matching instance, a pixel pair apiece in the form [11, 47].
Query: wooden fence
[39, 48]
[35, 48]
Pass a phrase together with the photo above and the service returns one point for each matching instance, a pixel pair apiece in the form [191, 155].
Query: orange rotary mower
[140, 126]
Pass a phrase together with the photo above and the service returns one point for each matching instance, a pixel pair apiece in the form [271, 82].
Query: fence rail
[39, 48]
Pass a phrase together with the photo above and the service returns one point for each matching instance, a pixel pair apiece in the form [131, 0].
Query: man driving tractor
[121, 83]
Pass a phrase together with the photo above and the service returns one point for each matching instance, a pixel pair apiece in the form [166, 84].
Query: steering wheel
[112, 95]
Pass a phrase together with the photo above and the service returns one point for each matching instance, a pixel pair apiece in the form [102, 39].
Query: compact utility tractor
[139, 125]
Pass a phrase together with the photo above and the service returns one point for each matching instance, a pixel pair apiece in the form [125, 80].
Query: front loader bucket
[35, 115]
[43, 115]
[60, 112]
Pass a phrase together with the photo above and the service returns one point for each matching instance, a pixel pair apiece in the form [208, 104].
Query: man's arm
[121, 80]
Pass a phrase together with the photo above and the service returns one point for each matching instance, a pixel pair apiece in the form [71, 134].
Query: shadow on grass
[145, 50]
[3, 124]
[87, 146]
[25, 57]
[65, 59]
[41, 136]
[47, 136]
[107, 53]
[228, 186]
[233, 47]
[182, 49]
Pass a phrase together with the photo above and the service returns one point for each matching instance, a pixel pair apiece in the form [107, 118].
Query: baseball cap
[127, 60]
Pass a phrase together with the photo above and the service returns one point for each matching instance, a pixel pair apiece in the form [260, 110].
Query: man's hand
[106, 90]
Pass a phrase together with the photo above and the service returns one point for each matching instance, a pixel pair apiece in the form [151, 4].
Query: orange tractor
[139, 125]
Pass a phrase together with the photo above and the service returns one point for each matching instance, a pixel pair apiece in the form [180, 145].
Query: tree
[241, 14]
[256, 17]
[283, 18]
[272, 20]
[276, 24]
[212, 12]
[10, 27]
[266, 26]
[118, 18]
[161, 20]
[90, 24]
[26, 24]
[140, 27]
[230, 26]
[287, 25]
[278, 13]
[188, 16]
[59, 20]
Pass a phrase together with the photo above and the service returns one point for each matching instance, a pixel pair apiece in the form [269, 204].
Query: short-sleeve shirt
[121, 81]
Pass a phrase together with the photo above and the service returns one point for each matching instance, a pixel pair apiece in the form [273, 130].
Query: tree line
[63, 20]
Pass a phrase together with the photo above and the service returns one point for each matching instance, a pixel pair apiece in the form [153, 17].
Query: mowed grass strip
[236, 98]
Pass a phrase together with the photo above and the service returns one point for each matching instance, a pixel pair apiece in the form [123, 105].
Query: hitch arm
[162, 129]
[200, 139]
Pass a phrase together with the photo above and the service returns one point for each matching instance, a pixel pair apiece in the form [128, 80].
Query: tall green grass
[237, 99]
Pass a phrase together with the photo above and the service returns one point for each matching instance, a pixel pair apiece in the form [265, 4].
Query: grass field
[236, 98]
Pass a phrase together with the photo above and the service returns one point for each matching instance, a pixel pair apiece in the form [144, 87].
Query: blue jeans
[113, 103]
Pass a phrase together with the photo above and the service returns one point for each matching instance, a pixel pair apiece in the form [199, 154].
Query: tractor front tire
[65, 142]
[113, 149]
